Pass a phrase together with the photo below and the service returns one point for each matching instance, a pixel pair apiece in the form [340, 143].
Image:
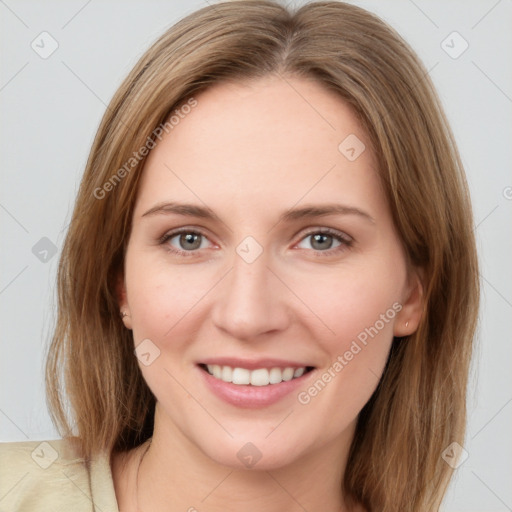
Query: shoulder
[51, 476]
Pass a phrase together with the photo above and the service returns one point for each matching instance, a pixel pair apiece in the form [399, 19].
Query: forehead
[253, 144]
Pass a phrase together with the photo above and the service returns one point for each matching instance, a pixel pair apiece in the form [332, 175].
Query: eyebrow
[309, 211]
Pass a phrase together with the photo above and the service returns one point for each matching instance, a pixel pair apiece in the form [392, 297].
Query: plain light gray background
[51, 108]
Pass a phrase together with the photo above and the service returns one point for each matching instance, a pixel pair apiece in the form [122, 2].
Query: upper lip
[253, 364]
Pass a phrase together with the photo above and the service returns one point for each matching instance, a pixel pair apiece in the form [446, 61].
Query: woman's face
[262, 248]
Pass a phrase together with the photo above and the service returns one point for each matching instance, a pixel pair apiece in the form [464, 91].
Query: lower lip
[251, 397]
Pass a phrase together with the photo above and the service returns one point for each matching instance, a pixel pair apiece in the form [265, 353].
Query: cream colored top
[48, 476]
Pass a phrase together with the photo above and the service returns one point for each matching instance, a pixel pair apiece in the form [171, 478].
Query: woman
[269, 287]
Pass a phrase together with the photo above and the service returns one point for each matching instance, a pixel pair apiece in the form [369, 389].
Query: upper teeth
[259, 377]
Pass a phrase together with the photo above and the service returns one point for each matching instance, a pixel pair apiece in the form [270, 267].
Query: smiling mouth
[258, 377]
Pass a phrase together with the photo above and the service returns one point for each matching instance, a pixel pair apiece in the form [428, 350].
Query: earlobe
[126, 319]
[124, 309]
[409, 318]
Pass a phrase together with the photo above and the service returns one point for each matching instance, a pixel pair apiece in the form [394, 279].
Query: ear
[409, 317]
[122, 299]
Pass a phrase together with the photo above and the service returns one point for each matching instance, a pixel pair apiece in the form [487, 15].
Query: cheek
[357, 310]
[351, 305]
[161, 296]
[164, 301]
[360, 312]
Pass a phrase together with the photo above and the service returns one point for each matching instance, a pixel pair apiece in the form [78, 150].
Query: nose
[251, 300]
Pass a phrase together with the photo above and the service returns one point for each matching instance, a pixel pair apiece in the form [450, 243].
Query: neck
[175, 476]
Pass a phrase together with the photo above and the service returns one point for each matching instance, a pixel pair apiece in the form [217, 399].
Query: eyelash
[345, 241]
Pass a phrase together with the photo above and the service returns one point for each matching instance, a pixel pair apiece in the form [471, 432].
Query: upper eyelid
[172, 233]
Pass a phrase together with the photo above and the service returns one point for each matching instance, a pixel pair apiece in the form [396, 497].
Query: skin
[249, 151]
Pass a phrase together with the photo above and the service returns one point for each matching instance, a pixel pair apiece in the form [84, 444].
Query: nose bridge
[251, 303]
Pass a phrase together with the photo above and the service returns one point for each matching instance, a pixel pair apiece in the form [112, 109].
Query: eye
[323, 241]
[326, 240]
[184, 242]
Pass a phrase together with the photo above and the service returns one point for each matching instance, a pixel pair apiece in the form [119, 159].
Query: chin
[252, 456]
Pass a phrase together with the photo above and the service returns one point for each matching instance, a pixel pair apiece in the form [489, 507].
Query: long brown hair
[419, 407]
